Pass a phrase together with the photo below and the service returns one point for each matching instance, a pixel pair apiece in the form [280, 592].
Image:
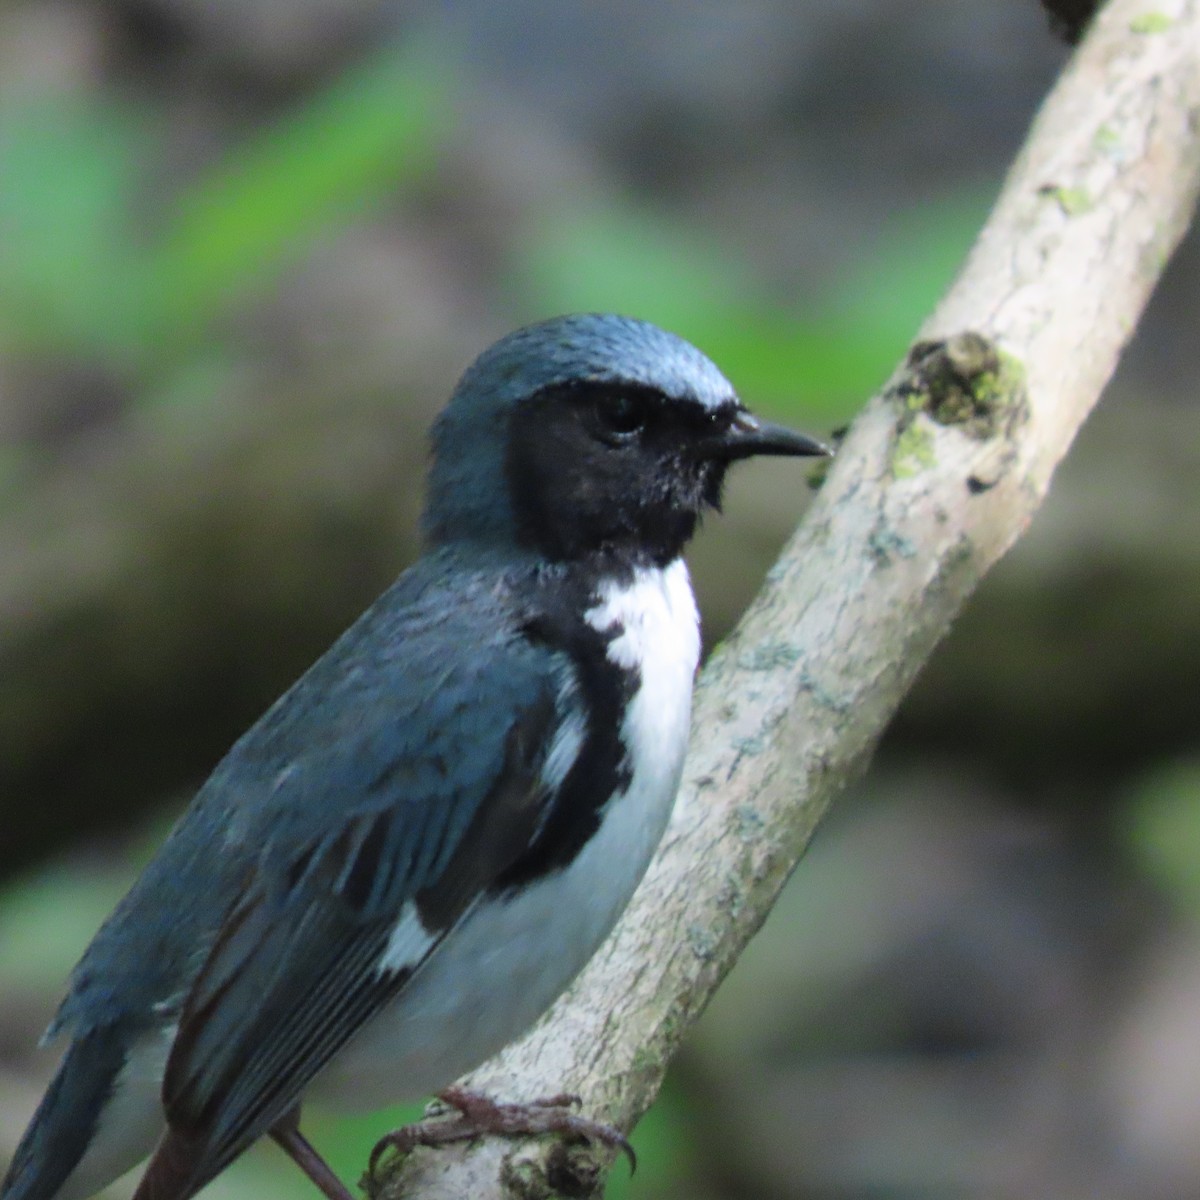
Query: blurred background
[246, 247]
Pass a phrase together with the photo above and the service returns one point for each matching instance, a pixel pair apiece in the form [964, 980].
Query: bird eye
[619, 417]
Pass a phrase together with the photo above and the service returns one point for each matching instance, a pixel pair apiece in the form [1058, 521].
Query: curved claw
[478, 1114]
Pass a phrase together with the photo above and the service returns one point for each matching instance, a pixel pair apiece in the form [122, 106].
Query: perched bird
[421, 843]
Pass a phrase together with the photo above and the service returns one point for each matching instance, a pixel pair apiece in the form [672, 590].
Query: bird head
[591, 435]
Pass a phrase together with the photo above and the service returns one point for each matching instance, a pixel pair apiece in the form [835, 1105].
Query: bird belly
[501, 968]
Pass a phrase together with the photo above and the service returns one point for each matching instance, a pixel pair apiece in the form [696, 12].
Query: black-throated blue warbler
[421, 843]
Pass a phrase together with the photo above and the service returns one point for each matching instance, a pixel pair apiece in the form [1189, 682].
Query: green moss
[1151, 22]
[965, 380]
[1074, 201]
[749, 825]
[702, 942]
[646, 1063]
[913, 451]
[769, 656]
[887, 545]
[749, 747]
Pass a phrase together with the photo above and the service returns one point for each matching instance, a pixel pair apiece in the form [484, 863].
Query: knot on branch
[567, 1171]
[964, 380]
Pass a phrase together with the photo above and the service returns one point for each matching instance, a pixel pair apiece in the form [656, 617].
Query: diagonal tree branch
[937, 478]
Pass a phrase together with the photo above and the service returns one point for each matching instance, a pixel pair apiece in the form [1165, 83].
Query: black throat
[579, 491]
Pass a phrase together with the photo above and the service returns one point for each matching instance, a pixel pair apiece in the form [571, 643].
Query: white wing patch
[568, 738]
[409, 943]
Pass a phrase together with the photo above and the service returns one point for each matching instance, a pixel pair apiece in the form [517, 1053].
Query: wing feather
[303, 959]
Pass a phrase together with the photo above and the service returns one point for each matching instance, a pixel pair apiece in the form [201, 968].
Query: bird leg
[479, 1114]
[287, 1135]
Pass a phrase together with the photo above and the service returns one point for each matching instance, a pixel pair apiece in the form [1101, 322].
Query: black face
[616, 470]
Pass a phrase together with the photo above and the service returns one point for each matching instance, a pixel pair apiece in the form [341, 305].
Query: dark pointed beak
[748, 436]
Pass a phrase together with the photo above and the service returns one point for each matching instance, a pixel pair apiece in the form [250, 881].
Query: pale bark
[937, 478]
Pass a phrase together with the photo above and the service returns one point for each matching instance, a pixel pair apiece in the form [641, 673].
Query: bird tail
[65, 1124]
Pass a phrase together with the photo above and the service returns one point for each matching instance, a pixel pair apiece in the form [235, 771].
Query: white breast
[507, 961]
[660, 638]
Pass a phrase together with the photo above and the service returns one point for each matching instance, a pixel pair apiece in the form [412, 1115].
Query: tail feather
[66, 1121]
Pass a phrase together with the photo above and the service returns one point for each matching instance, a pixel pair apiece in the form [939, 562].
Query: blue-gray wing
[399, 817]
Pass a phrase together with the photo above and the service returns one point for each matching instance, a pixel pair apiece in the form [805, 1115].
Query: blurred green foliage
[820, 358]
[1163, 830]
[48, 918]
[77, 279]
[67, 174]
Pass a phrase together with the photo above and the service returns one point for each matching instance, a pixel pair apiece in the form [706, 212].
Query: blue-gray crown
[467, 486]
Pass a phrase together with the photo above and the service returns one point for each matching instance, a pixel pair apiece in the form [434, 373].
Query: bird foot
[478, 1114]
